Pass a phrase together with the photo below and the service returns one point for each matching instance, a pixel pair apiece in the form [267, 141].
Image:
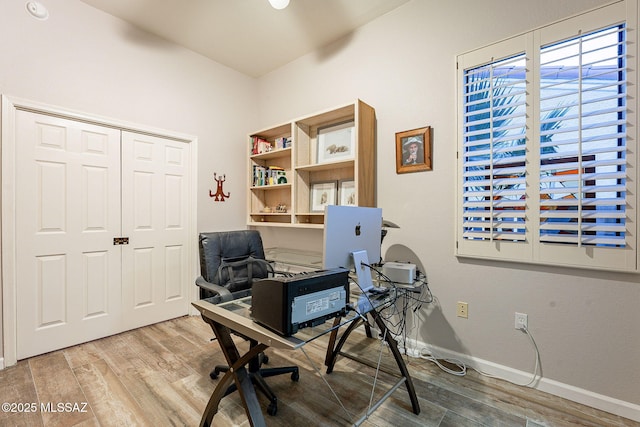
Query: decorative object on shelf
[347, 192]
[413, 150]
[219, 194]
[278, 175]
[281, 208]
[336, 142]
[323, 194]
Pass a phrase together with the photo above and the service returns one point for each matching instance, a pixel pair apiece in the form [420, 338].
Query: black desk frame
[237, 372]
[223, 322]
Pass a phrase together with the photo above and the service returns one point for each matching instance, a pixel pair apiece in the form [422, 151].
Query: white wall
[85, 60]
[403, 64]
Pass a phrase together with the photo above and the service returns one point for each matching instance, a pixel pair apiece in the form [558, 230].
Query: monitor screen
[349, 229]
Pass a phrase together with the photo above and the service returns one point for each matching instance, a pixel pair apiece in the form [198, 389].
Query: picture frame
[336, 142]
[413, 150]
[322, 194]
[347, 192]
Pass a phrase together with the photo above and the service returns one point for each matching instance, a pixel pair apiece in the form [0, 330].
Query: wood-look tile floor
[158, 376]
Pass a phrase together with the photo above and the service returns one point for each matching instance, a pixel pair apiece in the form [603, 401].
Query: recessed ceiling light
[37, 10]
[279, 4]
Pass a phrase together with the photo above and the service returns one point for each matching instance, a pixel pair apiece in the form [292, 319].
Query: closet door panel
[67, 213]
[156, 280]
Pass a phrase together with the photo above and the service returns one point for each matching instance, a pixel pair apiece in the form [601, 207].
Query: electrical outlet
[463, 309]
[522, 321]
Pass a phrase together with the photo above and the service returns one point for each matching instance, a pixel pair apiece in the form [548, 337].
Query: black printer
[286, 304]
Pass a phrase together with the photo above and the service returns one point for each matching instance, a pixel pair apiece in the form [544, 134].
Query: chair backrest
[223, 255]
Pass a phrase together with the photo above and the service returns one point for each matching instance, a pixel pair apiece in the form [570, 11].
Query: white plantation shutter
[583, 157]
[494, 151]
[547, 151]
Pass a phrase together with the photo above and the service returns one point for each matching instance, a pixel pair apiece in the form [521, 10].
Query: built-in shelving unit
[333, 146]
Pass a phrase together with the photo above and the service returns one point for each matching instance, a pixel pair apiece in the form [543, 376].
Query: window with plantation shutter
[547, 146]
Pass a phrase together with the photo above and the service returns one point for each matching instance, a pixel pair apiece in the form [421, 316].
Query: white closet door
[155, 197]
[68, 273]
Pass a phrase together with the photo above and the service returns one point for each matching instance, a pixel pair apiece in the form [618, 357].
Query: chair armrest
[223, 293]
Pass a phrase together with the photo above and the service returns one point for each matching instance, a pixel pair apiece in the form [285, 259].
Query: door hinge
[120, 241]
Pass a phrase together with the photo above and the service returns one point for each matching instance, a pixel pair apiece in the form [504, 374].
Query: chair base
[257, 376]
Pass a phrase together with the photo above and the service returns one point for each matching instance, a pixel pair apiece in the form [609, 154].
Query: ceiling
[248, 35]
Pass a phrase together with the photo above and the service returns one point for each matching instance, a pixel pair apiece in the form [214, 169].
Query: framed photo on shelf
[336, 142]
[347, 192]
[413, 150]
[323, 194]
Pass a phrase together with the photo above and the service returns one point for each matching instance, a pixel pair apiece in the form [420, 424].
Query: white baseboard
[566, 391]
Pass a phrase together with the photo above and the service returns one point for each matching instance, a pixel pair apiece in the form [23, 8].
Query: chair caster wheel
[295, 376]
[265, 359]
[213, 375]
[272, 409]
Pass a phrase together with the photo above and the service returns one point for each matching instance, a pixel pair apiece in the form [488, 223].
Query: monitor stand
[363, 272]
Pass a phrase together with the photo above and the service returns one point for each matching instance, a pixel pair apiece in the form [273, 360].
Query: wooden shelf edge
[328, 165]
[284, 225]
[270, 186]
[271, 154]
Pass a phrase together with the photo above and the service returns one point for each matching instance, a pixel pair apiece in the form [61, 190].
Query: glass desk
[293, 260]
[234, 316]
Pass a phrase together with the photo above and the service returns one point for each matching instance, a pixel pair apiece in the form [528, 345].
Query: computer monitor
[350, 230]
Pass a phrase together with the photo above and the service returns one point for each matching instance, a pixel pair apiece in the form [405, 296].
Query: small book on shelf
[260, 145]
[282, 143]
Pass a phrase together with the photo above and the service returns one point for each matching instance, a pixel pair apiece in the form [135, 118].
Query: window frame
[532, 249]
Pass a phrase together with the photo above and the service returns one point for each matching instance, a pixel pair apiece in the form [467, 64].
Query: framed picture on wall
[323, 194]
[413, 150]
[347, 192]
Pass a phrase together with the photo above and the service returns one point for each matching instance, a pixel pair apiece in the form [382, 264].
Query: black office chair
[229, 263]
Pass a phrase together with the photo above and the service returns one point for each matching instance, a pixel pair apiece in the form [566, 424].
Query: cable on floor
[462, 368]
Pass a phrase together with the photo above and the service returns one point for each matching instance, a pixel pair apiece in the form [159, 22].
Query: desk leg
[333, 350]
[393, 345]
[332, 341]
[237, 372]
